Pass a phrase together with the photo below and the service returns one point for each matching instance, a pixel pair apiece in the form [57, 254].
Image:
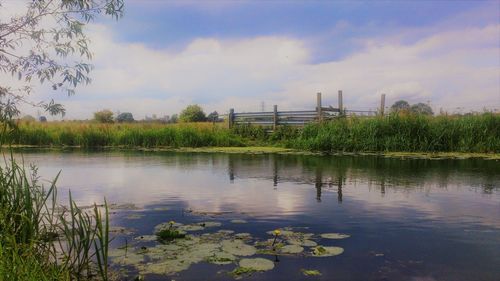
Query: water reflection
[421, 214]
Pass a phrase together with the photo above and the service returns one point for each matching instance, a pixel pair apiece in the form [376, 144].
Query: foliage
[174, 118]
[104, 116]
[125, 117]
[36, 43]
[192, 113]
[213, 116]
[400, 105]
[421, 108]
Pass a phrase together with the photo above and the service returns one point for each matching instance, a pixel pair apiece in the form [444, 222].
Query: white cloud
[449, 68]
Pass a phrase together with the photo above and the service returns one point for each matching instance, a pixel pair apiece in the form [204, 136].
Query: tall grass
[419, 133]
[129, 135]
[42, 240]
[474, 133]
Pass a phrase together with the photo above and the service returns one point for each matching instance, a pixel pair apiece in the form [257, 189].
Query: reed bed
[88, 134]
[408, 133]
[402, 133]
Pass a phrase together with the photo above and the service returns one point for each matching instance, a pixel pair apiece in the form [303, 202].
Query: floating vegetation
[238, 221]
[257, 264]
[324, 251]
[121, 230]
[170, 233]
[126, 206]
[335, 236]
[134, 216]
[238, 248]
[179, 250]
[310, 272]
[291, 249]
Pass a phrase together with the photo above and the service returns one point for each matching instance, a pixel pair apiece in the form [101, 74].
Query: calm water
[408, 219]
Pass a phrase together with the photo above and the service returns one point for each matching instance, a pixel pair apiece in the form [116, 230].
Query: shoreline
[277, 150]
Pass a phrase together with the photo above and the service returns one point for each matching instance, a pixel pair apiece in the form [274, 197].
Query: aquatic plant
[170, 233]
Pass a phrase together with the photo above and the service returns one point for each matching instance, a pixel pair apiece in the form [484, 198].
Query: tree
[213, 117]
[173, 119]
[421, 108]
[104, 116]
[192, 113]
[400, 105]
[28, 118]
[125, 117]
[38, 43]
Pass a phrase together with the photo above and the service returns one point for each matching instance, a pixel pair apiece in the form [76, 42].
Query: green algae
[238, 221]
[134, 216]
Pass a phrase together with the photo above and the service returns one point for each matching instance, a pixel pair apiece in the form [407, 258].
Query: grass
[395, 133]
[42, 240]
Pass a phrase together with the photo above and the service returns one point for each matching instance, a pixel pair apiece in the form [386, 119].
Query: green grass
[395, 133]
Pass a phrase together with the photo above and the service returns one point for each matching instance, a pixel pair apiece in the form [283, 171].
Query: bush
[192, 113]
[104, 116]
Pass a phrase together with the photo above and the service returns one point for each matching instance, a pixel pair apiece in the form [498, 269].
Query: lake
[394, 219]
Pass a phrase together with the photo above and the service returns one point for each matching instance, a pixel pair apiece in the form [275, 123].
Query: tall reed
[42, 240]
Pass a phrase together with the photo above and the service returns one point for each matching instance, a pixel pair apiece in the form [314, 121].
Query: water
[408, 219]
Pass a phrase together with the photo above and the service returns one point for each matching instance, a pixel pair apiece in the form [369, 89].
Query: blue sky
[164, 55]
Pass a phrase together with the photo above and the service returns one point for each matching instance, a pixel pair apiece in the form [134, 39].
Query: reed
[416, 133]
[42, 240]
[404, 132]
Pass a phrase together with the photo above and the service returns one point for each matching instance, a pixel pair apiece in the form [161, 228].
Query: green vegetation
[104, 116]
[394, 133]
[41, 240]
[192, 113]
[408, 132]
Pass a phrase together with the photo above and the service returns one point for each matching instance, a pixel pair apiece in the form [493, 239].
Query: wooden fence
[299, 118]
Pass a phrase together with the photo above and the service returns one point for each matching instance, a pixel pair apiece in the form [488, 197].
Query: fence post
[382, 104]
[231, 118]
[275, 117]
[318, 107]
[341, 103]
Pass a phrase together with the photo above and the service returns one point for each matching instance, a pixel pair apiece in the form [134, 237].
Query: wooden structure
[299, 118]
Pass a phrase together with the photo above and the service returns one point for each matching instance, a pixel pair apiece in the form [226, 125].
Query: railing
[298, 118]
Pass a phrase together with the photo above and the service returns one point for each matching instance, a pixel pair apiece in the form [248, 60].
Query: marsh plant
[42, 240]
[170, 233]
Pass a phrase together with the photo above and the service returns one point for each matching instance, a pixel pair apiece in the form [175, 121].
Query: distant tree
[125, 117]
[192, 113]
[28, 118]
[421, 108]
[104, 116]
[42, 119]
[400, 105]
[213, 117]
[173, 119]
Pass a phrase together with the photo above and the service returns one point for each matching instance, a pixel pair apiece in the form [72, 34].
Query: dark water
[408, 219]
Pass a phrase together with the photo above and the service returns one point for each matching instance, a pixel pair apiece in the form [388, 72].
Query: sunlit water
[408, 219]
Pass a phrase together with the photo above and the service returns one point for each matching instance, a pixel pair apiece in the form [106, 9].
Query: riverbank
[395, 133]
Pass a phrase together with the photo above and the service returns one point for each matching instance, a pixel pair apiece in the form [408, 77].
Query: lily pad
[238, 221]
[310, 272]
[210, 224]
[134, 216]
[191, 227]
[324, 251]
[257, 264]
[146, 238]
[291, 249]
[238, 248]
[335, 235]
[221, 258]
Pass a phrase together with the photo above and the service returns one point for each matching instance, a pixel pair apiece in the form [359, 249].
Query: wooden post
[318, 107]
[275, 117]
[382, 104]
[341, 103]
[231, 118]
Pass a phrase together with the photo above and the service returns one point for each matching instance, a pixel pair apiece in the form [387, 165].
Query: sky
[164, 55]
